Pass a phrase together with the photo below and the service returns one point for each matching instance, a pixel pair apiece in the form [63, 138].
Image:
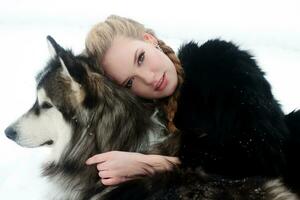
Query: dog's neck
[90, 122]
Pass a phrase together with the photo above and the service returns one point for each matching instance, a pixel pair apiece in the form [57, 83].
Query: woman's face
[140, 66]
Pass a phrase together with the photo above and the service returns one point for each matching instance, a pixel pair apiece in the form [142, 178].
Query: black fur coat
[230, 122]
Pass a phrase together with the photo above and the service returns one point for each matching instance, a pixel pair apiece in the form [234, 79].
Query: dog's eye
[46, 105]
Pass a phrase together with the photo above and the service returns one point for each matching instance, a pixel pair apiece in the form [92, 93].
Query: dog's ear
[65, 71]
[73, 67]
[54, 48]
[70, 65]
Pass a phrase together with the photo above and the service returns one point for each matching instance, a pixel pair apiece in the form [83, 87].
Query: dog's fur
[230, 120]
[80, 113]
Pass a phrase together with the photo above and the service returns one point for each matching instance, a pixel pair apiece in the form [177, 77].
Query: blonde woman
[230, 122]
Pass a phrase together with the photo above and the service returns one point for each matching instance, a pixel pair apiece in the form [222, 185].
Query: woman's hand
[116, 167]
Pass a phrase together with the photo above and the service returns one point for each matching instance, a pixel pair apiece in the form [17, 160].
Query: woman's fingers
[106, 174]
[111, 181]
[103, 166]
[98, 158]
[115, 180]
[95, 159]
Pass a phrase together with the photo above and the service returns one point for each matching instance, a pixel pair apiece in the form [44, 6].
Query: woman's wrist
[159, 162]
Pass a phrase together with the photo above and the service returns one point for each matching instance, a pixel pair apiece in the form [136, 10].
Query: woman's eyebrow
[135, 57]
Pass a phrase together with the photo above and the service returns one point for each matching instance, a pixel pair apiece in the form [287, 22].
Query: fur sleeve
[226, 98]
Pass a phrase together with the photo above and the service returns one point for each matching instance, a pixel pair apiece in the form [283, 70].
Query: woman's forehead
[119, 58]
[121, 50]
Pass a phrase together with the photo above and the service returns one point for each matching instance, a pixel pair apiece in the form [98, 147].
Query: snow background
[268, 29]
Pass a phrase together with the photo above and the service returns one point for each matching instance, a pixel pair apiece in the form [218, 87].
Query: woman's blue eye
[141, 58]
[129, 83]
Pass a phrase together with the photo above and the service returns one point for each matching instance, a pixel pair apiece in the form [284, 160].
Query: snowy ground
[270, 30]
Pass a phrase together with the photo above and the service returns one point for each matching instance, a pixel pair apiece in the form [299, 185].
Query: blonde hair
[101, 36]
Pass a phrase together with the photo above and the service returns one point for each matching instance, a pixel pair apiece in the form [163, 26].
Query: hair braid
[170, 104]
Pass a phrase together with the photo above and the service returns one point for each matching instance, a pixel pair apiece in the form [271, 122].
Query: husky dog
[79, 112]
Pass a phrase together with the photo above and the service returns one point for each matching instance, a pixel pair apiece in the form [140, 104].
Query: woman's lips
[162, 83]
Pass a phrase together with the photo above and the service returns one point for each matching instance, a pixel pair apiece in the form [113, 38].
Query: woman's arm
[116, 167]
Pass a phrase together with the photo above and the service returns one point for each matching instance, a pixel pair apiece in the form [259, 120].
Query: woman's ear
[150, 38]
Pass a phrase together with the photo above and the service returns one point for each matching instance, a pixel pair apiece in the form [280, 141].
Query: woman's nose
[146, 76]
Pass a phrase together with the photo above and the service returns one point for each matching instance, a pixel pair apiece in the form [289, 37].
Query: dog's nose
[10, 133]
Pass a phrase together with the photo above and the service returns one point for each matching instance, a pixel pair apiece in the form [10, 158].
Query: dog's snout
[10, 133]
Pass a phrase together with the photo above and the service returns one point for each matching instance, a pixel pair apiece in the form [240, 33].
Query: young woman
[230, 122]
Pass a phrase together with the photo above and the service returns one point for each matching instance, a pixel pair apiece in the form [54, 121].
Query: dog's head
[61, 93]
[75, 100]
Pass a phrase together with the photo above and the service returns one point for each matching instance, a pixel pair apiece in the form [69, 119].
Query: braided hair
[169, 104]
